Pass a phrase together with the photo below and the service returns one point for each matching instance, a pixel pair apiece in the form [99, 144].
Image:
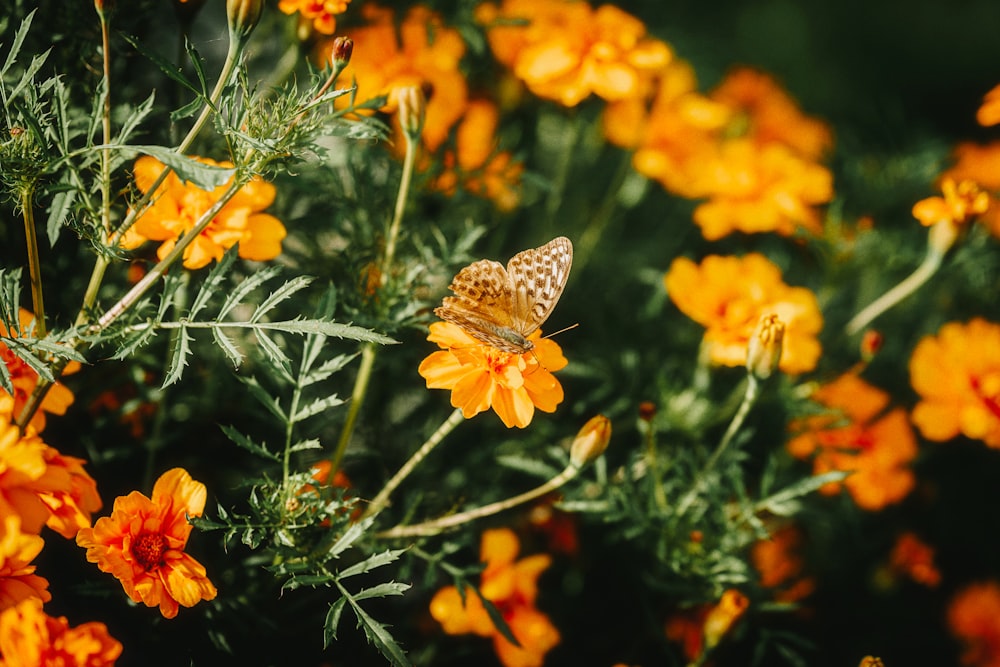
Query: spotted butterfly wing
[502, 307]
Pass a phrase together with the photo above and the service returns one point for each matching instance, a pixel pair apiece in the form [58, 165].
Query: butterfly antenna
[554, 333]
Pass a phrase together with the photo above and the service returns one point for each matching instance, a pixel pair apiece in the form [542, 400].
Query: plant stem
[106, 128]
[357, 398]
[397, 217]
[34, 263]
[909, 285]
[438, 525]
[749, 397]
[382, 499]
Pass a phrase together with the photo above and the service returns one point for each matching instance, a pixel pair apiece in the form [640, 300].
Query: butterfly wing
[482, 303]
[537, 278]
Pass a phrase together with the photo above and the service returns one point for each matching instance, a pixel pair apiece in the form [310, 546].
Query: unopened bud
[340, 54]
[723, 616]
[591, 441]
[871, 343]
[412, 110]
[104, 6]
[647, 410]
[871, 661]
[243, 16]
[764, 347]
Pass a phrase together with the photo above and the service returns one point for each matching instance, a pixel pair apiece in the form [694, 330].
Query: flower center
[148, 550]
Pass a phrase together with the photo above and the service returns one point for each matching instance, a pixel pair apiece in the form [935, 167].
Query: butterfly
[502, 307]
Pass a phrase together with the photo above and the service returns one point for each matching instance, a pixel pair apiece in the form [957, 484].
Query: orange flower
[914, 558]
[989, 113]
[723, 616]
[511, 585]
[142, 544]
[72, 495]
[178, 206]
[974, 618]
[729, 295]
[957, 375]
[423, 53]
[702, 628]
[756, 189]
[18, 580]
[778, 561]
[24, 378]
[980, 164]
[564, 50]
[322, 13]
[960, 203]
[475, 162]
[31, 638]
[876, 449]
[481, 376]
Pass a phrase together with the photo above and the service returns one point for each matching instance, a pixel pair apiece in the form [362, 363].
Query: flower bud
[764, 347]
[871, 343]
[591, 441]
[723, 616]
[871, 661]
[412, 110]
[340, 54]
[243, 16]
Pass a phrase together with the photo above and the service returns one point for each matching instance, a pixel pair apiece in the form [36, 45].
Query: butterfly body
[503, 306]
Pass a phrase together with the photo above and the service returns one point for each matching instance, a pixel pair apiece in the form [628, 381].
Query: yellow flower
[729, 295]
[511, 585]
[481, 376]
[875, 446]
[957, 375]
[31, 638]
[178, 206]
[321, 13]
[564, 50]
[18, 580]
[142, 544]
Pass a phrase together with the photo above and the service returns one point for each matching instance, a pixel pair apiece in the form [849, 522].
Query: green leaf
[316, 407]
[350, 536]
[372, 562]
[167, 67]
[388, 589]
[275, 354]
[15, 47]
[62, 203]
[134, 119]
[326, 328]
[244, 288]
[178, 357]
[223, 341]
[498, 621]
[246, 443]
[306, 445]
[204, 176]
[326, 369]
[213, 283]
[279, 295]
[28, 78]
[377, 633]
[265, 399]
[6, 382]
[332, 621]
[783, 502]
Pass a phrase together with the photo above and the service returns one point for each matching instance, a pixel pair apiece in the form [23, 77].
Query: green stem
[357, 398]
[397, 217]
[653, 463]
[382, 499]
[749, 397]
[439, 525]
[106, 128]
[34, 263]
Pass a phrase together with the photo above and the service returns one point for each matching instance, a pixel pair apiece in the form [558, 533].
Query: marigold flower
[957, 375]
[178, 206]
[764, 347]
[31, 638]
[703, 627]
[591, 441]
[974, 618]
[72, 495]
[779, 564]
[142, 544]
[424, 52]
[723, 616]
[565, 50]
[321, 13]
[511, 585]
[18, 580]
[877, 448]
[728, 296]
[959, 203]
[24, 378]
[980, 164]
[914, 558]
[989, 113]
[481, 376]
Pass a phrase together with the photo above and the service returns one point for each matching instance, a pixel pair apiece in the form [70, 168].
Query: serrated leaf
[134, 342]
[167, 67]
[326, 369]
[264, 398]
[15, 46]
[62, 203]
[350, 536]
[18, 347]
[212, 283]
[316, 407]
[187, 110]
[306, 445]
[496, 617]
[388, 589]
[274, 298]
[335, 329]
[531, 466]
[372, 562]
[134, 119]
[246, 443]
[377, 633]
[332, 621]
[312, 580]
[223, 341]
[189, 170]
[781, 499]
[6, 383]
[28, 77]
[248, 285]
[178, 356]
[275, 354]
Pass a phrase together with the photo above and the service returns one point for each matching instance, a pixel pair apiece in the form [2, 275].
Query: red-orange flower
[511, 585]
[957, 375]
[779, 563]
[71, 495]
[179, 205]
[914, 558]
[700, 629]
[322, 14]
[18, 580]
[480, 376]
[974, 618]
[875, 446]
[31, 638]
[24, 378]
[565, 50]
[729, 295]
[989, 112]
[142, 544]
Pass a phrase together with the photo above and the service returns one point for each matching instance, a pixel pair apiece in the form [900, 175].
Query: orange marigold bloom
[72, 497]
[511, 585]
[702, 628]
[729, 295]
[18, 580]
[876, 449]
[481, 376]
[476, 164]
[780, 566]
[178, 206]
[914, 558]
[567, 50]
[423, 52]
[322, 13]
[957, 375]
[142, 544]
[31, 638]
[989, 113]
[24, 378]
[959, 203]
[974, 618]
[980, 164]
